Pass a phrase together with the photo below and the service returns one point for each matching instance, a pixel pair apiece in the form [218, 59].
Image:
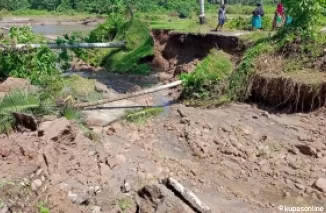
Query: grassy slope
[139, 45]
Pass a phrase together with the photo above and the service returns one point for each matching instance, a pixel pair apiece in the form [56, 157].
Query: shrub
[183, 10]
[239, 22]
[267, 22]
[108, 30]
[38, 65]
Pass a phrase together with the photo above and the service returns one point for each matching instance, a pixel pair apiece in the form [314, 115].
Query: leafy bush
[244, 23]
[183, 9]
[209, 78]
[139, 45]
[305, 13]
[267, 22]
[108, 30]
[38, 65]
[239, 22]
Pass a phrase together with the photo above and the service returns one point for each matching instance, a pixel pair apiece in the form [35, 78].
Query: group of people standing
[280, 18]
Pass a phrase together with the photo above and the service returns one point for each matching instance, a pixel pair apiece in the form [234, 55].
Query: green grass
[173, 24]
[247, 10]
[80, 88]
[124, 204]
[208, 80]
[235, 22]
[19, 102]
[68, 15]
[139, 45]
[42, 209]
[143, 115]
[240, 78]
[256, 36]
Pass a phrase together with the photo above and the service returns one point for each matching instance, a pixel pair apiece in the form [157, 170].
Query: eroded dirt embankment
[177, 53]
[293, 92]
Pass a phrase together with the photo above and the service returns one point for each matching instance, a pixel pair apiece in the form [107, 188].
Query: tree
[305, 13]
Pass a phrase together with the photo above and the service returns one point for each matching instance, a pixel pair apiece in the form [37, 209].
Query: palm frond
[16, 101]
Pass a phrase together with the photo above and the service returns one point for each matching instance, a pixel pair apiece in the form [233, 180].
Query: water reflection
[60, 29]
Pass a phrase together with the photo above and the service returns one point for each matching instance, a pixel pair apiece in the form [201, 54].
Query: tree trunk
[202, 12]
[222, 2]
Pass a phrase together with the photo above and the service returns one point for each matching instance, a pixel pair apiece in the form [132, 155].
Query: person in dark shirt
[221, 18]
[257, 15]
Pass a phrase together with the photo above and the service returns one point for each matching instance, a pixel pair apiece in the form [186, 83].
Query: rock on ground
[320, 184]
[11, 84]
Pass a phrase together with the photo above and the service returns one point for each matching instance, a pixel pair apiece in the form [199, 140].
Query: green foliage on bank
[41, 67]
[118, 27]
[139, 46]
[209, 80]
[37, 65]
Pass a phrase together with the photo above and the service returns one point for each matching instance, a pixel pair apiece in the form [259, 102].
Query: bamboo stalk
[69, 46]
[131, 95]
[188, 196]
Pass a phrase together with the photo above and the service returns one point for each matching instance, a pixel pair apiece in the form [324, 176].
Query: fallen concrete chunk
[158, 199]
[188, 196]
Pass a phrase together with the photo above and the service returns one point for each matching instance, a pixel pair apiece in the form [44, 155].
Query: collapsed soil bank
[294, 92]
[177, 52]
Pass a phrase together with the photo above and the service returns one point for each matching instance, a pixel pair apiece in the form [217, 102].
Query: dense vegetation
[299, 43]
[183, 8]
[40, 66]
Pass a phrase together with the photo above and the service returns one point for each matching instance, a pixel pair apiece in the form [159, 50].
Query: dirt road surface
[234, 157]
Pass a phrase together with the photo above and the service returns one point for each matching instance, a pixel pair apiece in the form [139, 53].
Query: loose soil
[177, 53]
[233, 157]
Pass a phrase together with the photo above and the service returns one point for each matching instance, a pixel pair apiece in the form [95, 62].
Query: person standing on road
[257, 15]
[221, 18]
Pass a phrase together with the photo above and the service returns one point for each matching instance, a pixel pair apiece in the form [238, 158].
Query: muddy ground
[234, 157]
